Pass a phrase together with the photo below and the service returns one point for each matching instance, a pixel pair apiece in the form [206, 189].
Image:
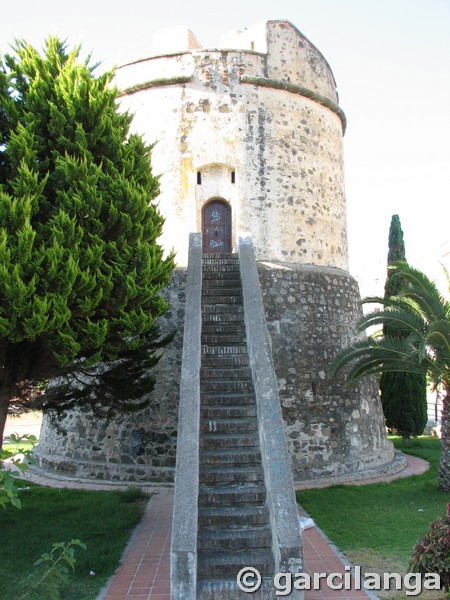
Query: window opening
[233, 176]
[199, 178]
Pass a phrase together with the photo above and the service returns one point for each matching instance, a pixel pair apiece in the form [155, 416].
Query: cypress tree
[81, 271]
[403, 395]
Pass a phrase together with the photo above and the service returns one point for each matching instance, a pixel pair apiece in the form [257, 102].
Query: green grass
[18, 447]
[102, 520]
[377, 525]
[17, 444]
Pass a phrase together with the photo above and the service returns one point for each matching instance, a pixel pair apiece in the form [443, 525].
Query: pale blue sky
[391, 61]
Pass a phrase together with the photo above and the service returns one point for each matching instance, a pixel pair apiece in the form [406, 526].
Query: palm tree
[421, 314]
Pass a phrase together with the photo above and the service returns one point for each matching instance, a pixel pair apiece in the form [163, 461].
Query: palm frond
[400, 318]
[376, 355]
[423, 291]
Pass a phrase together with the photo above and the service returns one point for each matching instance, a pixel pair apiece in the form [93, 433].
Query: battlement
[272, 50]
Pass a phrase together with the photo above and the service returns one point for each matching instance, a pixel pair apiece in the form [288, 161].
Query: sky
[391, 62]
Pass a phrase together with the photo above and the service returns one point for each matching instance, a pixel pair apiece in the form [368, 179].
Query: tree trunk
[4, 403]
[444, 463]
[7, 387]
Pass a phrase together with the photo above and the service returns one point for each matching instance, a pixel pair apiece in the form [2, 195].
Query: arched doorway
[216, 227]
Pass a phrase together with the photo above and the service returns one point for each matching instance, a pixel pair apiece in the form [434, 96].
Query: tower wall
[258, 126]
[270, 118]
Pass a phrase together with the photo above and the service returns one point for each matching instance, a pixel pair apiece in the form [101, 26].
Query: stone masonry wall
[311, 314]
[129, 447]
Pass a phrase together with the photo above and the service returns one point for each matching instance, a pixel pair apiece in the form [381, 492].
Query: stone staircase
[233, 518]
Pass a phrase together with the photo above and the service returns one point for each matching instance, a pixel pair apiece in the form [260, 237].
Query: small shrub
[51, 572]
[431, 554]
[133, 494]
[16, 458]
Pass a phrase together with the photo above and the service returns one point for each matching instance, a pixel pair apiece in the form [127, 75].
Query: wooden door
[216, 221]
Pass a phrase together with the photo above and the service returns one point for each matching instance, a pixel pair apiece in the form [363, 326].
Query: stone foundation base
[80, 470]
[333, 434]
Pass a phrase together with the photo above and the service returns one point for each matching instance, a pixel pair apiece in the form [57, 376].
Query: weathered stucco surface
[232, 113]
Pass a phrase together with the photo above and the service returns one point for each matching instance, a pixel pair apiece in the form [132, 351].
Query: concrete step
[219, 350]
[208, 411]
[228, 440]
[234, 539]
[244, 425]
[220, 261]
[217, 269]
[245, 474]
[229, 495]
[221, 277]
[227, 589]
[232, 516]
[222, 339]
[224, 361]
[221, 280]
[222, 291]
[226, 385]
[219, 316]
[223, 399]
[220, 256]
[219, 327]
[228, 564]
[231, 456]
[217, 312]
[215, 300]
[230, 373]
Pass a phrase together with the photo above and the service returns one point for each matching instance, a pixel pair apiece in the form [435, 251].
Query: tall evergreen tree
[403, 395]
[80, 268]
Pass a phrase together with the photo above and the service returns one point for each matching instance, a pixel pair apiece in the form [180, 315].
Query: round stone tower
[252, 132]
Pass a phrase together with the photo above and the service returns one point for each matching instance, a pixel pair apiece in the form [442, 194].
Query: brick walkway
[145, 574]
[145, 569]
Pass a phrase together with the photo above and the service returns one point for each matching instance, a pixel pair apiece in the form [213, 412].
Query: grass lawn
[103, 521]
[377, 525]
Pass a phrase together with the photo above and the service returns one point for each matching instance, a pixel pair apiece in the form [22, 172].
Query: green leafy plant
[13, 463]
[52, 571]
[81, 269]
[431, 554]
[133, 494]
[422, 314]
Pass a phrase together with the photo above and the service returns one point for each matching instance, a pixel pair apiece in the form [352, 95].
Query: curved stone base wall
[311, 314]
[332, 434]
[135, 447]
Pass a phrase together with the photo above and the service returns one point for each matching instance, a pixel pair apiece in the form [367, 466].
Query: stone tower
[248, 139]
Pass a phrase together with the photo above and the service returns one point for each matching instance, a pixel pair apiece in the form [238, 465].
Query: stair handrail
[183, 549]
[287, 537]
